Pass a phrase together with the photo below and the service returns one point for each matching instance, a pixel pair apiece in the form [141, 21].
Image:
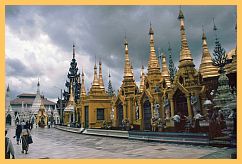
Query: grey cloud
[99, 30]
[16, 68]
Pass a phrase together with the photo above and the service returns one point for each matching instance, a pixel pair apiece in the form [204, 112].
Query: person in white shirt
[9, 150]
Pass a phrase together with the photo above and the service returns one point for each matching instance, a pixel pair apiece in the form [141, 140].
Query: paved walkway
[53, 143]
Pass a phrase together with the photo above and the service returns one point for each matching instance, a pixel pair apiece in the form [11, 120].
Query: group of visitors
[215, 119]
[183, 123]
[22, 135]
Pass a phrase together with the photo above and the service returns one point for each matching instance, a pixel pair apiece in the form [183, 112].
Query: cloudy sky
[39, 40]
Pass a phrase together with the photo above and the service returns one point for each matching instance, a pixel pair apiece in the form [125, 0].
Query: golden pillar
[172, 107]
[189, 108]
[125, 110]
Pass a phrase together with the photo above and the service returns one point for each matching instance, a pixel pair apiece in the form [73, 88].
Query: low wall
[70, 129]
[109, 133]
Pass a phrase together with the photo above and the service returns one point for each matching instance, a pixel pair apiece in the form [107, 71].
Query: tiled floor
[53, 143]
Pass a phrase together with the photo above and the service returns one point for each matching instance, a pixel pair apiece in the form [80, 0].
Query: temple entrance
[120, 114]
[8, 119]
[180, 103]
[86, 124]
[147, 114]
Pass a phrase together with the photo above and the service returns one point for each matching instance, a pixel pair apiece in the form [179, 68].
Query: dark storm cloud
[16, 68]
[99, 30]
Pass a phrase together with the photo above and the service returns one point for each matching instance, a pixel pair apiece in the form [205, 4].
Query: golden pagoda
[207, 69]
[152, 90]
[42, 116]
[154, 74]
[186, 83]
[69, 111]
[124, 103]
[156, 97]
[95, 107]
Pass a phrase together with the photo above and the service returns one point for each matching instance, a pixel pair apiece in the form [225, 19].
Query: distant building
[26, 106]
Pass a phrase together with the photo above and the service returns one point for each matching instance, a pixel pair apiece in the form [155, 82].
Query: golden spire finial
[74, 51]
[95, 79]
[142, 79]
[101, 76]
[127, 65]
[151, 32]
[164, 72]
[185, 53]
[153, 64]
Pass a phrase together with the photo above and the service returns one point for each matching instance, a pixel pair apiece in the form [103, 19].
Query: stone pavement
[54, 143]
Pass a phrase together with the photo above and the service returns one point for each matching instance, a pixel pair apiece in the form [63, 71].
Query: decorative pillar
[125, 110]
[189, 108]
[172, 107]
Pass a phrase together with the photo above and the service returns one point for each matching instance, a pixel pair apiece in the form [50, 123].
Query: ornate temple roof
[29, 100]
[206, 68]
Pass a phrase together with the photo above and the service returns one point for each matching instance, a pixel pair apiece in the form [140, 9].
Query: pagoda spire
[153, 64]
[142, 79]
[110, 88]
[101, 76]
[164, 72]
[172, 68]
[207, 69]
[38, 85]
[127, 65]
[74, 53]
[83, 90]
[185, 53]
[95, 79]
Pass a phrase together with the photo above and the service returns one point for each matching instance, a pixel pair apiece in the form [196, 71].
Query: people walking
[24, 136]
[9, 150]
[18, 132]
